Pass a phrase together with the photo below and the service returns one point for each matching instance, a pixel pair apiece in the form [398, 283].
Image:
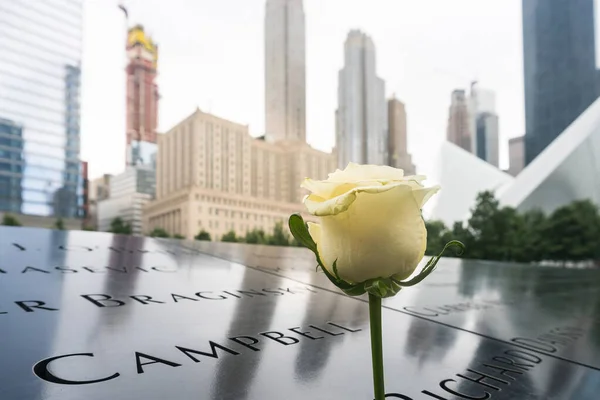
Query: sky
[211, 56]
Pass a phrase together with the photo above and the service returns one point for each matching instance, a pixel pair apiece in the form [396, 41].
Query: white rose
[371, 221]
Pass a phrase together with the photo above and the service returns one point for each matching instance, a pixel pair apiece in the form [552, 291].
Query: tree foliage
[229, 237]
[159, 233]
[256, 236]
[202, 235]
[59, 224]
[570, 233]
[279, 237]
[117, 225]
[178, 236]
[10, 220]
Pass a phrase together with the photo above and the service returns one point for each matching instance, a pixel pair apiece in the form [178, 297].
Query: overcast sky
[211, 56]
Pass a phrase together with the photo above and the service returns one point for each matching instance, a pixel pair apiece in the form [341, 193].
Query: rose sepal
[380, 287]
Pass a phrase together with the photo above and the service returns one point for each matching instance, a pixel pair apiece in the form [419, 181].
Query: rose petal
[355, 172]
[423, 194]
[321, 207]
[328, 190]
[380, 235]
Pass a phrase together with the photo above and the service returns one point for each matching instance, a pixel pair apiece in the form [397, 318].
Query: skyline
[225, 76]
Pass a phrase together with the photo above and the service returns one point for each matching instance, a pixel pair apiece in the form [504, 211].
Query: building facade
[142, 97]
[129, 192]
[40, 68]
[459, 121]
[285, 71]
[480, 101]
[486, 138]
[516, 155]
[213, 176]
[98, 190]
[361, 117]
[398, 156]
[559, 68]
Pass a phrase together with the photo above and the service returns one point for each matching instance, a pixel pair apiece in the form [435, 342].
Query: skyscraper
[459, 123]
[516, 155]
[40, 61]
[559, 67]
[398, 156]
[361, 117]
[487, 137]
[142, 98]
[285, 71]
[484, 124]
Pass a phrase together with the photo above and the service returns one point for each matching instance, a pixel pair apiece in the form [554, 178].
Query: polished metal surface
[138, 318]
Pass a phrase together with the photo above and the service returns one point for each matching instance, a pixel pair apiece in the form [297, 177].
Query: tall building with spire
[142, 97]
[361, 117]
[285, 71]
[136, 186]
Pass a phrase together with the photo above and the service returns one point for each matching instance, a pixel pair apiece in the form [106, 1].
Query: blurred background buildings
[209, 173]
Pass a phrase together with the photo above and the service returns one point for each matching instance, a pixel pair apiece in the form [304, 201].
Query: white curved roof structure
[462, 176]
[567, 170]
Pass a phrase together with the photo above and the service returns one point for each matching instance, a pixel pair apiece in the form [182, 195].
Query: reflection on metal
[168, 319]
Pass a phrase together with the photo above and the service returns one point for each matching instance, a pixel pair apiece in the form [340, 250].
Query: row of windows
[44, 26]
[62, 11]
[53, 116]
[53, 72]
[35, 183]
[240, 215]
[240, 203]
[42, 42]
[29, 151]
[229, 226]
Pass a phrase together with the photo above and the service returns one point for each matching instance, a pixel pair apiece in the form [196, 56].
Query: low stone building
[213, 176]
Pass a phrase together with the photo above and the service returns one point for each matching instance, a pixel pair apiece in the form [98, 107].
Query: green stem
[376, 346]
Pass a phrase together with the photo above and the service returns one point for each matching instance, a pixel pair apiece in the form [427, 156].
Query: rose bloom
[370, 221]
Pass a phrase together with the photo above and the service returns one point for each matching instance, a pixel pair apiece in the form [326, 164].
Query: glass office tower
[559, 68]
[40, 70]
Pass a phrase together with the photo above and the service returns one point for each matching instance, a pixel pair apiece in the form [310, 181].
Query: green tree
[88, 228]
[437, 231]
[482, 226]
[159, 233]
[531, 238]
[9, 220]
[573, 232]
[178, 236]
[117, 225]
[256, 236]
[202, 235]
[461, 233]
[229, 237]
[59, 224]
[279, 236]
